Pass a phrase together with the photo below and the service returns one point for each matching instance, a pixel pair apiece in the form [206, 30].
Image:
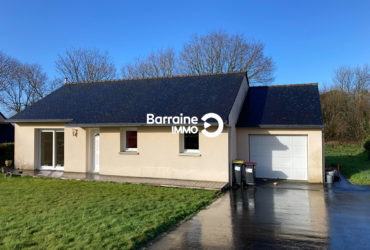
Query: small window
[129, 139]
[190, 143]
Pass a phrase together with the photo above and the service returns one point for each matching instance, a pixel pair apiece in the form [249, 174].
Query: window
[190, 143]
[129, 139]
[51, 149]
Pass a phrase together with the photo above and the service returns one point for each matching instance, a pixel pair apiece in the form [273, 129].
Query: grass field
[353, 161]
[42, 213]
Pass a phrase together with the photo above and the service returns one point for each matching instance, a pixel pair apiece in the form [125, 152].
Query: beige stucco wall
[159, 156]
[233, 119]
[26, 152]
[75, 150]
[158, 153]
[315, 147]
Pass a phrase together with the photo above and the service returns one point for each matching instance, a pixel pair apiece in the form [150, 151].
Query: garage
[281, 128]
[279, 156]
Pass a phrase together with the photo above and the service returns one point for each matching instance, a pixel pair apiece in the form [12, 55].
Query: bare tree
[216, 52]
[36, 80]
[85, 65]
[346, 106]
[5, 62]
[157, 64]
[20, 84]
[352, 80]
[219, 52]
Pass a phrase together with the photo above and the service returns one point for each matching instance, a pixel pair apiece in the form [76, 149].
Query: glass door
[51, 150]
[59, 148]
[46, 141]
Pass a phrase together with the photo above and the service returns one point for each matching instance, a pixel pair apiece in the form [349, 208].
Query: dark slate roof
[129, 101]
[2, 117]
[6, 130]
[282, 106]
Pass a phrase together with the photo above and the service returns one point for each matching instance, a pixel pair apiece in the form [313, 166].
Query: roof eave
[95, 125]
[287, 126]
[38, 120]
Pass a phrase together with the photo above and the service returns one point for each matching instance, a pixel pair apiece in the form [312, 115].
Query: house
[6, 130]
[102, 127]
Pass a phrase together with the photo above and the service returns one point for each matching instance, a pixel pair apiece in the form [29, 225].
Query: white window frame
[187, 151]
[54, 166]
[123, 140]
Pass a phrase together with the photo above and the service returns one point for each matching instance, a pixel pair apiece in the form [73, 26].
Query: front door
[51, 149]
[94, 150]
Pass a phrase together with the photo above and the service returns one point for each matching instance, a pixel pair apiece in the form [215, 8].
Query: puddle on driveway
[289, 215]
[349, 209]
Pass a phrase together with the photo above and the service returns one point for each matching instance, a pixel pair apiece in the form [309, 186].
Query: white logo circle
[206, 124]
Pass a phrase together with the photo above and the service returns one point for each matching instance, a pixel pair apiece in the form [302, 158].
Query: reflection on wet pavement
[349, 209]
[289, 215]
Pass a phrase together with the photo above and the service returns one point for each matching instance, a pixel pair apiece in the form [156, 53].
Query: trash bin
[238, 166]
[330, 175]
[250, 173]
[329, 178]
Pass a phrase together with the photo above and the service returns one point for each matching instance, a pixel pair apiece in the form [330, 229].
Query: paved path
[149, 181]
[288, 215]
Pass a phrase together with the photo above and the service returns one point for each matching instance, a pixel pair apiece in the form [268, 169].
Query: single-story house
[101, 127]
[6, 130]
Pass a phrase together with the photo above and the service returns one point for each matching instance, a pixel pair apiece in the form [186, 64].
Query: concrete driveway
[288, 215]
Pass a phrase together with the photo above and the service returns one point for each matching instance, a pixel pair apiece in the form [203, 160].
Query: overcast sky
[306, 39]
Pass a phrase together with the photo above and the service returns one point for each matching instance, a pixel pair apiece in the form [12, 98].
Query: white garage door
[279, 156]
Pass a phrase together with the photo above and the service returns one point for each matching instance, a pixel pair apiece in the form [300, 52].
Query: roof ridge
[157, 77]
[285, 85]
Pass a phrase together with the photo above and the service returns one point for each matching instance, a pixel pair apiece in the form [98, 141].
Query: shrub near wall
[367, 147]
[6, 153]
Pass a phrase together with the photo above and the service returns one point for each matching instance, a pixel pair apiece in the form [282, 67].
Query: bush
[6, 153]
[367, 147]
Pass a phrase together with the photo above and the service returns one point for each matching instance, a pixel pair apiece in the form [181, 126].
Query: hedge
[6, 153]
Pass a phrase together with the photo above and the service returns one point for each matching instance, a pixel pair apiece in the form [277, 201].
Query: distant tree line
[23, 84]
[216, 52]
[346, 105]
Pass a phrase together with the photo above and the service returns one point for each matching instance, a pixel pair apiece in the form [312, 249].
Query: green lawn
[44, 213]
[353, 161]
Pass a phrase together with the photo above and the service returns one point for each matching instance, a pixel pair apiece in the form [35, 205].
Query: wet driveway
[288, 215]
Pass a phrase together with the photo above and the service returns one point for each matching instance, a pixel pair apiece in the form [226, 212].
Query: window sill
[129, 153]
[190, 154]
